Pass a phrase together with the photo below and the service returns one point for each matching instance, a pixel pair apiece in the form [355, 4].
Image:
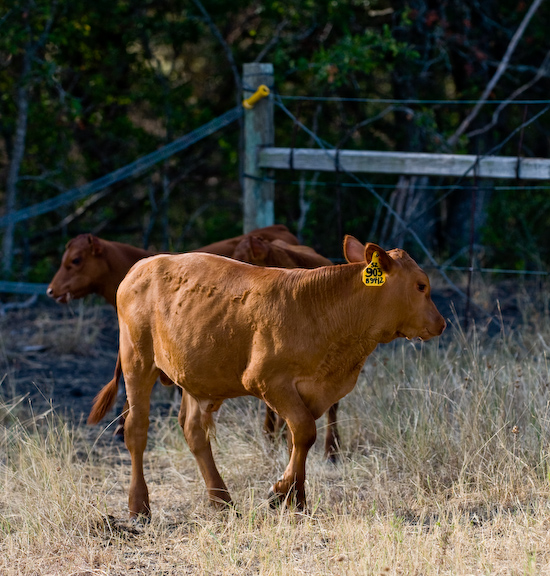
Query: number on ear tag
[373, 275]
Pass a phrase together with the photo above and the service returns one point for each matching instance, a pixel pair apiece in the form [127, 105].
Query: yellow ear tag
[373, 275]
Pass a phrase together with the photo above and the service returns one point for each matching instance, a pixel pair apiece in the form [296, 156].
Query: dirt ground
[57, 356]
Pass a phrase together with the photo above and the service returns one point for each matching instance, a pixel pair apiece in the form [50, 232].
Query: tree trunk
[15, 163]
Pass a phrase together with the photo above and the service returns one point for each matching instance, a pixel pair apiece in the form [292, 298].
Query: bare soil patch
[58, 356]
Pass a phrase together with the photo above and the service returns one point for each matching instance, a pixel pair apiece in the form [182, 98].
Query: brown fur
[297, 339]
[107, 395]
[91, 265]
[280, 254]
[269, 233]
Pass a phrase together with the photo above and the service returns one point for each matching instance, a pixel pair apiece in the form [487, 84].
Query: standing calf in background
[91, 265]
[297, 339]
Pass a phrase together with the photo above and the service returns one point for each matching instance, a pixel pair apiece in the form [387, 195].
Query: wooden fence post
[258, 133]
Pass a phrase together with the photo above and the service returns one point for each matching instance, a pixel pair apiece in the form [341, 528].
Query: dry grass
[76, 333]
[445, 470]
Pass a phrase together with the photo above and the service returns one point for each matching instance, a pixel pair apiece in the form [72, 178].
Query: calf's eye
[422, 287]
[76, 261]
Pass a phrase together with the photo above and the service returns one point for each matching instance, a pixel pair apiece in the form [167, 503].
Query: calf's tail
[106, 398]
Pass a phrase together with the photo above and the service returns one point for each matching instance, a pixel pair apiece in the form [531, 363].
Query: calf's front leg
[303, 432]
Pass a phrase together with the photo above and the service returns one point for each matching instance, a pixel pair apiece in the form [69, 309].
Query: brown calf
[277, 253]
[91, 265]
[276, 232]
[297, 339]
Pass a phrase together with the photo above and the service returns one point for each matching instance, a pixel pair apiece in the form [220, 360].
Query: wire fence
[361, 182]
[143, 164]
[137, 168]
[132, 170]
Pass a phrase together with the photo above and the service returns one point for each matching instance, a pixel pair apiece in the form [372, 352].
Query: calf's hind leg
[192, 422]
[270, 422]
[139, 385]
[332, 437]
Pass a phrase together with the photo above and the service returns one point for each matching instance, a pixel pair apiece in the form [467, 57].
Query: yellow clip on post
[373, 275]
[260, 93]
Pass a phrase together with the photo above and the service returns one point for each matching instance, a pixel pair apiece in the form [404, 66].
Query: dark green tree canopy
[87, 88]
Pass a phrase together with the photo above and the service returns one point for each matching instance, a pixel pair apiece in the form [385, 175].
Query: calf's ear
[384, 258]
[95, 244]
[354, 251]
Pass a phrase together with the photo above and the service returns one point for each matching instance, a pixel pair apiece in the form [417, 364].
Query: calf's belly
[205, 377]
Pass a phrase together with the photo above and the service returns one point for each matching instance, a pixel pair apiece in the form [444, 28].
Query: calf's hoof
[275, 499]
[290, 500]
[222, 501]
[332, 457]
[226, 507]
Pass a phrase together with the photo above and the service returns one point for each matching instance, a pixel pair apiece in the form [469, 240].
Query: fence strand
[134, 169]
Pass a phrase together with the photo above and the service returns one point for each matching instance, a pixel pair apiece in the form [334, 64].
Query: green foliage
[111, 82]
[359, 54]
[518, 230]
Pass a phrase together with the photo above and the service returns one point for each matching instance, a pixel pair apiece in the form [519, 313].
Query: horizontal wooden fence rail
[405, 163]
